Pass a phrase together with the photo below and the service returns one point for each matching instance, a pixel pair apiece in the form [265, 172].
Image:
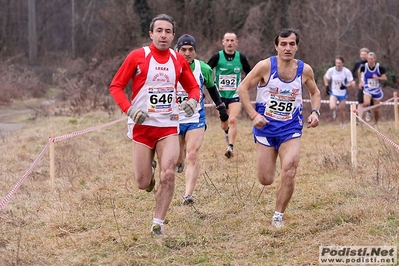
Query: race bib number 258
[280, 109]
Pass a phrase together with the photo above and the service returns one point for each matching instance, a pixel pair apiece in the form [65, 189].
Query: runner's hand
[343, 87]
[259, 121]
[223, 115]
[313, 120]
[137, 115]
[189, 106]
[328, 90]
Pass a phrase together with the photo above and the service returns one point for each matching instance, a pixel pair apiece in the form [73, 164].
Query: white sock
[278, 214]
[157, 221]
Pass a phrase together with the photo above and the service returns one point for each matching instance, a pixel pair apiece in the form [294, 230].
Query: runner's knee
[232, 120]
[167, 177]
[192, 155]
[266, 179]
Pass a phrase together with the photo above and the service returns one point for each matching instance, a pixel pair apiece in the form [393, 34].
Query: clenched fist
[189, 106]
[137, 115]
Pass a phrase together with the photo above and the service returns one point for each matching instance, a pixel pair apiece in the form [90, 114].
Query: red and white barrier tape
[387, 102]
[123, 118]
[55, 139]
[80, 132]
[323, 101]
[19, 183]
[376, 131]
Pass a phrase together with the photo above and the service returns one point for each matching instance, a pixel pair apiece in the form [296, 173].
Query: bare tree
[73, 27]
[108, 28]
[32, 32]
[143, 10]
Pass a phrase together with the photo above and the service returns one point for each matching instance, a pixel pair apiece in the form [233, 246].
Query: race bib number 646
[160, 99]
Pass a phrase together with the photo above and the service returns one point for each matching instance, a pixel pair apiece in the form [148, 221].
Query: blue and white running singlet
[281, 103]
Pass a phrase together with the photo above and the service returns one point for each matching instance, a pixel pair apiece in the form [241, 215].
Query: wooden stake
[395, 109]
[52, 167]
[353, 137]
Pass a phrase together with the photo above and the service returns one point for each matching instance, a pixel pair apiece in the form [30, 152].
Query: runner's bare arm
[259, 74]
[314, 92]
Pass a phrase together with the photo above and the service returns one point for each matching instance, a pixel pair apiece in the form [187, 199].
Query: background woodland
[78, 45]
[61, 64]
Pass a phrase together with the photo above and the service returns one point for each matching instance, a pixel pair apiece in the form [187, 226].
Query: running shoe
[334, 114]
[156, 230]
[180, 167]
[277, 222]
[229, 152]
[226, 137]
[368, 116]
[152, 183]
[187, 200]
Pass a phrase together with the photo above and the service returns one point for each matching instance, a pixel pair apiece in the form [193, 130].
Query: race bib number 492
[227, 82]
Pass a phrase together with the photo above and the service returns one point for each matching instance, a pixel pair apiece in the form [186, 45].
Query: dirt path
[13, 118]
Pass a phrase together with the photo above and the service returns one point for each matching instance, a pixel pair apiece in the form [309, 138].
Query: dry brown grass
[96, 216]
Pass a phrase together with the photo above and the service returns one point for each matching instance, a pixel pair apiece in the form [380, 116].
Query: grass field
[95, 215]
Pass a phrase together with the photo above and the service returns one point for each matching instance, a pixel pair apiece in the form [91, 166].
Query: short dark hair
[340, 58]
[230, 32]
[163, 17]
[287, 32]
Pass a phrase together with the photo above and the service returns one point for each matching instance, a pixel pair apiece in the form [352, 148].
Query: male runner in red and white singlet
[155, 71]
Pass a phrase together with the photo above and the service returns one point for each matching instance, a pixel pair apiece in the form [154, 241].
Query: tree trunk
[142, 8]
[32, 32]
[73, 28]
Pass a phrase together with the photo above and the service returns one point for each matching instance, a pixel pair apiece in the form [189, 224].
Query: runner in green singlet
[228, 65]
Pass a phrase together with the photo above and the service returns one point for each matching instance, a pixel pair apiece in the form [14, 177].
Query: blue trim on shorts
[341, 98]
[276, 128]
[184, 128]
[376, 94]
[277, 140]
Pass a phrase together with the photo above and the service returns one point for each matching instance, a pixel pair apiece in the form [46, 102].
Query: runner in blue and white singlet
[277, 115]
[372, 86]
[192, 129]
[199, 113]
[281, 103]
[373, 76]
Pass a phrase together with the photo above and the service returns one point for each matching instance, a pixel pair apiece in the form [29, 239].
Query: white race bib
[181, 96]
[228, 82]
[373, 83]
[280, 107]
[160, 99]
